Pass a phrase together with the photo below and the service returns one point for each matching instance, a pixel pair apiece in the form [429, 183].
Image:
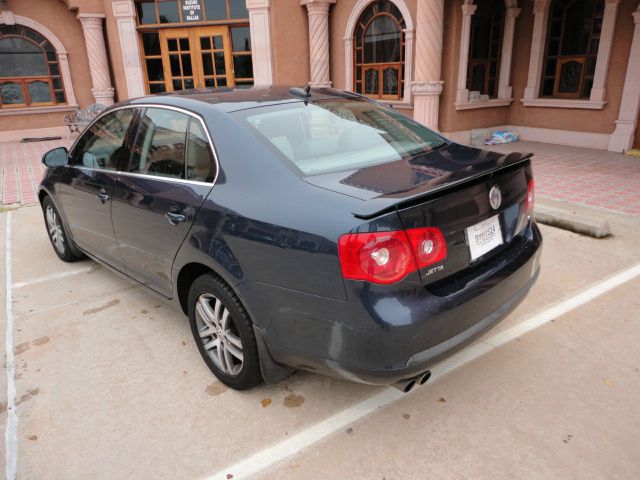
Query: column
[541, 18]
[604, 50]
[125, 14]
[504, 87]
[97, 53]
[427, 86]
[622, 137]
[462, 93]
[318, 12]
[260, 41]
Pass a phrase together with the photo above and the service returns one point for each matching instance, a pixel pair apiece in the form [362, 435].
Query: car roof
[241, 98]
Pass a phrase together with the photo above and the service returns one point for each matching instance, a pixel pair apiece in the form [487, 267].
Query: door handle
[175, 218]
[103, 196]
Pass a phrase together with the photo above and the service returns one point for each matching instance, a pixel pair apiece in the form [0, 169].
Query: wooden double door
[196, 57]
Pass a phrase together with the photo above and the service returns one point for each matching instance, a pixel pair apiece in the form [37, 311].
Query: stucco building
[558, 71]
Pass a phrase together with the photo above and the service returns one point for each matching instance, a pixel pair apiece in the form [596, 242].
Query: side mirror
[58, 157]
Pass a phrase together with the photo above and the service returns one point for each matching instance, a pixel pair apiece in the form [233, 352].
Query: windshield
[339, 134]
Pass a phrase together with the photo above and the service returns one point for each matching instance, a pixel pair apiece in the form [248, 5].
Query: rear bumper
[380, 336]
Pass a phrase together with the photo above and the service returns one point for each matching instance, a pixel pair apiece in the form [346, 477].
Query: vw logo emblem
[495, 197]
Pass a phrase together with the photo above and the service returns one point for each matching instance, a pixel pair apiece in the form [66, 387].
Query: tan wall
[289, 42]
[599, 121]
[451, 119]
[62, 22]
[339, 16]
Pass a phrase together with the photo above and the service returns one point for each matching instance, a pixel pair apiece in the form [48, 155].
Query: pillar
[318, 12]
[97, 53]
[125, 14]
[462, 93]
[622, 137]
[504, 87]
[604, 50]
[427, 86]
[536, 58]
[260, 41]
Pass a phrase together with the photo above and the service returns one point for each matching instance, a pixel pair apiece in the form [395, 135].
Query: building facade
[556, 71]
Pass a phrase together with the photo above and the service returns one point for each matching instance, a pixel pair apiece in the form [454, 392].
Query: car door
[87, 183]
[157, 197]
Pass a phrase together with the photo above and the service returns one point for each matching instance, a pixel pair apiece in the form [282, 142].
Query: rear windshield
[339, 134]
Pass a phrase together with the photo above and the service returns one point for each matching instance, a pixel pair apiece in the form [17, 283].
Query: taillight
[428, 244]
[387, 257]
[530, 198]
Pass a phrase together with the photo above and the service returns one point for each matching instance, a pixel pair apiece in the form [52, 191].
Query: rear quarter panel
[261, 223]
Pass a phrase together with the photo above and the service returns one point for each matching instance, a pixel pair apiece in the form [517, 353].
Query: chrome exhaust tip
[405, 386]
[422, 379]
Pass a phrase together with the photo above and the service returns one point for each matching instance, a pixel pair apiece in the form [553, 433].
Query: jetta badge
[495, 197]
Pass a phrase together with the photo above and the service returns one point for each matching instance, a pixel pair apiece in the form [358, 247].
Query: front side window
[339, 135]
[573, 38]
[29, 69]
[485, 46]
[104, 146]
[379, 51]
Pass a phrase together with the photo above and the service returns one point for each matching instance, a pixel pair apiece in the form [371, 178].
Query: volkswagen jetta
[299, 228]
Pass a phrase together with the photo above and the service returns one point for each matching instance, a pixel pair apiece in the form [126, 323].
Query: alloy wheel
[55, 229]
[219, 335]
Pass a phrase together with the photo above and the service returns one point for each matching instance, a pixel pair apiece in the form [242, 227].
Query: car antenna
[304, 92]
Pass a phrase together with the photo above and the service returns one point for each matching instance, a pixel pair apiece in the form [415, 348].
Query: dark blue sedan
[299, 228]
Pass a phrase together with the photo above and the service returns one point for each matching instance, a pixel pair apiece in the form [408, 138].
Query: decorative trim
[63, 60]
[260, 30]
[492, 102]
[408, 45]
[125, 15]
[563, 103]
[7, 112]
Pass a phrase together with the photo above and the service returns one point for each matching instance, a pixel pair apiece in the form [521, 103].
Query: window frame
[562, 59]
[503, 96]
[135, 124]
[596, 100]
[25, 80]
[486, 62]
[359, 63]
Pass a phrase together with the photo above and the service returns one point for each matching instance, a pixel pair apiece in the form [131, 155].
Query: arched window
[378, 49]
[29, 69]
[485, 46]
[573, 38]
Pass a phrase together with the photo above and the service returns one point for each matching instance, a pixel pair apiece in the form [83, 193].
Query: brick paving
[21, 170]
[595, 178]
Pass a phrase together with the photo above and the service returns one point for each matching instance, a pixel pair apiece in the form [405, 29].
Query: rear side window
[104, 145]
[160, 144]
[200, 163]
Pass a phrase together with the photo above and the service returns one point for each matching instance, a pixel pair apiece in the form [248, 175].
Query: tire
[223, 332]
[58, 236]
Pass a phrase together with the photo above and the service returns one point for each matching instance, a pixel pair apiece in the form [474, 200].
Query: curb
[593, 227]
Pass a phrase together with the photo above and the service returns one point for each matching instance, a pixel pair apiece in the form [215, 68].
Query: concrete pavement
[110, 385]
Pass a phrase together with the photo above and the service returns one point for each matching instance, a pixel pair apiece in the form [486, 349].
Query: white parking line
[11, 430]
[294, 444]
[55, 276]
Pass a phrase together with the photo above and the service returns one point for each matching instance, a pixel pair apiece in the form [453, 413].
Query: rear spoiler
[394, 201]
